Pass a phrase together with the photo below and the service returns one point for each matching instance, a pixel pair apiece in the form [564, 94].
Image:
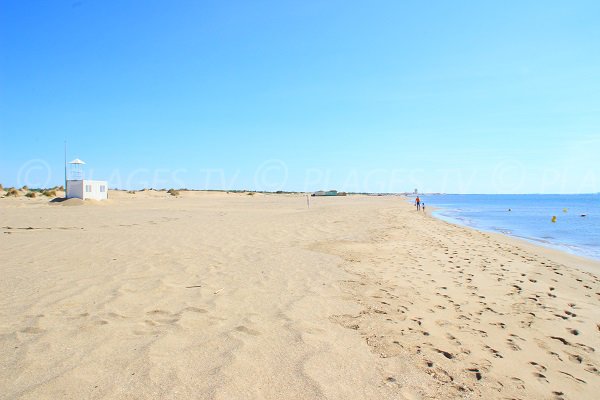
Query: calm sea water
[530, 217]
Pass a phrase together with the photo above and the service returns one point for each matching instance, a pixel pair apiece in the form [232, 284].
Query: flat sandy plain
[230, 296]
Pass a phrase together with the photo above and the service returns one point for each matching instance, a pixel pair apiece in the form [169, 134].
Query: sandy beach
[211, 295]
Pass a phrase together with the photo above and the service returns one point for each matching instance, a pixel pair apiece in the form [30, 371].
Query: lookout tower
[75, 171]
[80, 188]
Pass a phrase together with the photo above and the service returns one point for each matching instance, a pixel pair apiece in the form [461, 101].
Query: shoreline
[588, 264]
[546, 245]
[532, 240]
[584, 263]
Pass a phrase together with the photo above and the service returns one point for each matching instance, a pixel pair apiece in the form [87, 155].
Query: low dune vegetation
[30, 192]
[49, 192]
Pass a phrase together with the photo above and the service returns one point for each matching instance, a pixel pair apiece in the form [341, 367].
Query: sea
[576, 228]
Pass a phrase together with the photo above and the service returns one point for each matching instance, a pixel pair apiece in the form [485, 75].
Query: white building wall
[87, 189]
[95, 190]
[74, 189]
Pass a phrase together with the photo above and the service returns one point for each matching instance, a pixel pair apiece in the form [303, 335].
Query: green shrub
[173, 192]
[31, 195]
[12, 192]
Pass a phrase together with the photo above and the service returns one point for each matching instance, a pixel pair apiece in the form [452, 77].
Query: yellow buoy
[554, 218]
[565, 210]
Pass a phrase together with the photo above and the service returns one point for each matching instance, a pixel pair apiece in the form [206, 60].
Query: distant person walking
[423, 206]
[418, 203]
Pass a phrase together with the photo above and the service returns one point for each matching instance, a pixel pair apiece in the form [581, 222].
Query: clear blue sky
[451, 96]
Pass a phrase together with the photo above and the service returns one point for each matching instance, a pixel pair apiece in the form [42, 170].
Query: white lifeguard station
[80, 188]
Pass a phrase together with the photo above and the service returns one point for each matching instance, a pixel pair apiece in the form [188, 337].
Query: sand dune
[228, 296]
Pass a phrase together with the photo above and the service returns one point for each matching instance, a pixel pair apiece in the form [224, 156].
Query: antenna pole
[65, 169]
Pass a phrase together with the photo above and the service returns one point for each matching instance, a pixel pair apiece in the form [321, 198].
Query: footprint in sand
[512, 345]
[518, 382]
[246, 330]
[592, 370]
[558, 395]
[494, 352]
[82, 315]
[585, 347]
[441, 375]
[537, 366]
[32, 329]
[158, 312]
[572, 377]
[445, 354]
[476, 372]
[165, 317]
[576, 358]
[195, 309]
[540, 377]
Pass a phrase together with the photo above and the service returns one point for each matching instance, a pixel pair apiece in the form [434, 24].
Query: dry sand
[229, 296]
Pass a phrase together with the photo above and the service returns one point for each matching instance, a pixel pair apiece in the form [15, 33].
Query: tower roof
[77, 161]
